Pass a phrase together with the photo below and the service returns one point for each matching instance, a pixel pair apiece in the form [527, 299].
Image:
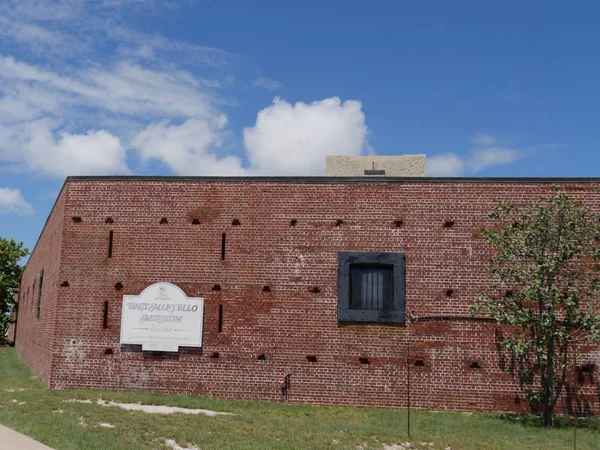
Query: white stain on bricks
[151, 409]
[74, 351]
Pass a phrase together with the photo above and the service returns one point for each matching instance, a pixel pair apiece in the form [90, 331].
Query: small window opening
[216, 287]
[419, 363]
[475, 365]
[108, 220]
[76, 219]
[293, 222]
[118, 286]
[215, 355]
[223, 242]
[261, 357]
[364, 360]
[311, 358]
[111, 235]
[236, 222]
[65, 284]
[220, 324]
[164, 221]
[195, 221]
[448, 223]
[105, 316]
[266, 289]
[39, 297]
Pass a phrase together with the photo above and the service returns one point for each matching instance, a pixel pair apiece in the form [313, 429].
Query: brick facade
[266, 335]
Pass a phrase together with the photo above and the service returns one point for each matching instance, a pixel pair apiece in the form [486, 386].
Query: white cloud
[445, 165]
[12, 201]
[294, 139]
[483, 140]
[187, 149]
[71, 106]
[483, 155]
[267, 83]
[484, 158]
[33, 146]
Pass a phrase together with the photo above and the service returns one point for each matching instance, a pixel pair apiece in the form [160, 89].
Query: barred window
[371, 287]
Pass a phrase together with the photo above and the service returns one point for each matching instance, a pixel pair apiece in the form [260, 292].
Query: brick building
[276, 260]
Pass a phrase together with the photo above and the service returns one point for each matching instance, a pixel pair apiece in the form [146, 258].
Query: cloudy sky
[207, 87]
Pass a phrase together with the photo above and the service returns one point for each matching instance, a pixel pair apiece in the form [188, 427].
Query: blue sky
[90, 87]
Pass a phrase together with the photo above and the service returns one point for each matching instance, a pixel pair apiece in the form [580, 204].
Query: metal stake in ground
[408, 386]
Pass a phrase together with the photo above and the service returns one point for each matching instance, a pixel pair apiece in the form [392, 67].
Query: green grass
[255, 425]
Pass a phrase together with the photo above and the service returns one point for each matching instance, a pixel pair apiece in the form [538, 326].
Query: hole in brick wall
[105, 316]
[108, 351]
[111, 236]
[339, 222]
[315, 290]
[475, 365]
[266, 289]
[449, 292]
[419, 363]
[195, 221]
[108, 220]
[215, 355]
[311, 358]
[223, 242]
[236, 222]
[261, 357]
[76, 219]
[587, 368]
[364, 360]
[220, 324]
[216, 287]
[293, 222]
[508, 294]
[65, 284]
[164, 221]
[448, 223]
[398, 223]
[118, 286]
[516, 224]
[73, 342]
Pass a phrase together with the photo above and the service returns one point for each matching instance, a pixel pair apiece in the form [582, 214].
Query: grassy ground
[27, 406]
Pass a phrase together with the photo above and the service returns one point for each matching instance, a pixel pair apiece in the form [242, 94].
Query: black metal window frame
[346, 260]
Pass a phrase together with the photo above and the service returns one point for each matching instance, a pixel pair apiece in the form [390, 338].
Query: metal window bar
[371, 288]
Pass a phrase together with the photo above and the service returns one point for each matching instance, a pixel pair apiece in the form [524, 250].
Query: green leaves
[11, 254]
[545, 254]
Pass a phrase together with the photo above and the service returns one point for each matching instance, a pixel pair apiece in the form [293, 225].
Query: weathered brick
[68, 345]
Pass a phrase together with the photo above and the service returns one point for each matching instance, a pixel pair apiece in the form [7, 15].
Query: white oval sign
[162, 318]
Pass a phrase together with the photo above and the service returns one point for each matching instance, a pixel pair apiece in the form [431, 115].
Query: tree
[546, 290]
[11, 254]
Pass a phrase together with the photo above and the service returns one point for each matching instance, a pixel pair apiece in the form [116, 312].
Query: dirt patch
[152, 409]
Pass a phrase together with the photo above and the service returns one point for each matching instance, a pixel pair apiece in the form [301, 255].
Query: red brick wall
[36, 337]
[290, 322]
